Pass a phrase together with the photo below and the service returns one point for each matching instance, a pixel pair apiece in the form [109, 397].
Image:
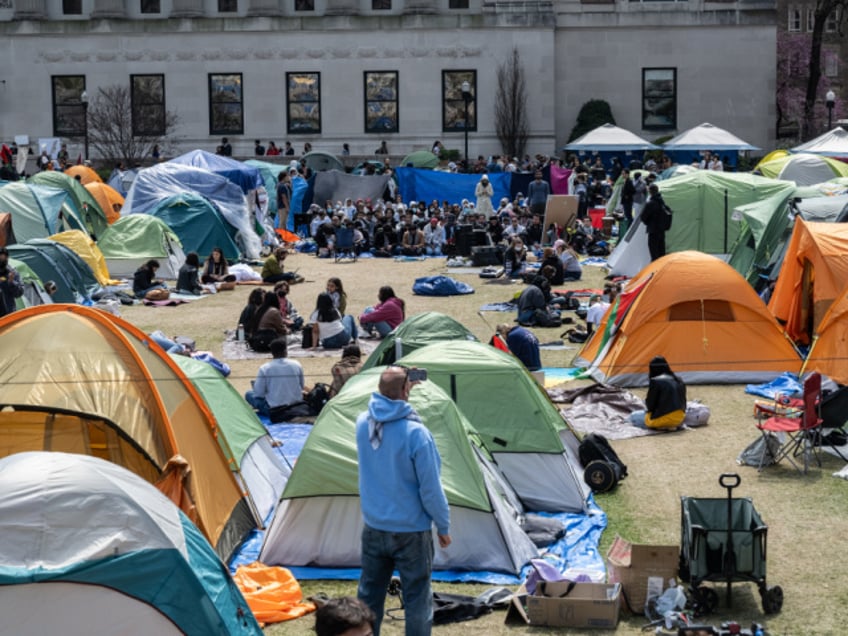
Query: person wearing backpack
[656, 216]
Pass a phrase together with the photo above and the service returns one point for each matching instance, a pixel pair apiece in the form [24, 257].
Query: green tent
[318, 521]
[514, 417]
[198, 223]
[318, 161]
[34, 293]
[420, 159]
[416, 332]
[245, 441]
[75, 282]
[269, 173]
[134, 239]
[38, 211]
[86, 205]
[803, 168]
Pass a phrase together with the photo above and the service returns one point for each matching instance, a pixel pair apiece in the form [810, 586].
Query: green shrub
[594, 113]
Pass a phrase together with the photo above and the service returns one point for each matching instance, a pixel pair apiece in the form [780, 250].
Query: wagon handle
[729, 481]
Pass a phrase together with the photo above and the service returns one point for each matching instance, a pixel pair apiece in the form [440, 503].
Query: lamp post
[830, 101]
[466, 97]
[84, 101]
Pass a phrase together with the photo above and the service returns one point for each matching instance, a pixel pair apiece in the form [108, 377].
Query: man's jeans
[411, 553]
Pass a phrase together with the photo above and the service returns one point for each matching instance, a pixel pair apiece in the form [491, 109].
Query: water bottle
[240, 333]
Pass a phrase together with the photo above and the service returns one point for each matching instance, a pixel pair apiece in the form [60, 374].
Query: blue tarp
[440, 286]
[244, 176]
[785, 384]
[427, 185]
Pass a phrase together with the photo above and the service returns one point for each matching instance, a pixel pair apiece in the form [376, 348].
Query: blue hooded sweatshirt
[399, 485]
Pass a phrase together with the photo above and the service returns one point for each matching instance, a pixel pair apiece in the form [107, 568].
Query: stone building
[361, 72]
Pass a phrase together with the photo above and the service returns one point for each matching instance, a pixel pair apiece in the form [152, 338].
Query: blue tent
[268, 172]
[244, 176]
[38, 211]
[198, 224]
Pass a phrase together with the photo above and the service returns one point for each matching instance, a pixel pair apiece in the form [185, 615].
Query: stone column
[263, 8]
[187, 9]
[108, 9]
[342, 7]
[30, 10]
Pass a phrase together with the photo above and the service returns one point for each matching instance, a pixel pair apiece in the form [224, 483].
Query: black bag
[306, 337]
[318, 397]
[543, 318]
[261, 340]
[666, 218]
[603, 468]
[288, 412]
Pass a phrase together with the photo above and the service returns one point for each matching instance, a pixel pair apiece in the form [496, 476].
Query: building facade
[329, 72]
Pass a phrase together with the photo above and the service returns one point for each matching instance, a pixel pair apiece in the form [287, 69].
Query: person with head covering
[434, 237]
[665, 404]
[484, 193]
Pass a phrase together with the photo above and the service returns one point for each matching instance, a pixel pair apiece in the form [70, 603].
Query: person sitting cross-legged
[279, 383]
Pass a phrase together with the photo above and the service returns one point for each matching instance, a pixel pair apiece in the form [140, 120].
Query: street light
[830, 101]
[84, 101]
[466, 97]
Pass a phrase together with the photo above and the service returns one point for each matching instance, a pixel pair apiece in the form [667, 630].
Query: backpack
[603, 468]
[261, 340]
[665, 218]
[542, 318]
[318, 397]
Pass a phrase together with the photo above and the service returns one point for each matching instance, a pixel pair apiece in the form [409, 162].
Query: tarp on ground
[707, 137]
[415, 184]
[703, 220]
[609, 137]
[37, 210]
[87, 208]
[334, 185]
[244, 176]
[833, 143]
[318, 521]
[440, 286]
[110, 200]
[77, 379]
[75, 282]
[91, 548]
[198, 224]
[803, 168]
[814, 272]
[87, 250]
[698, 313]
[164, 180]
[133, 240]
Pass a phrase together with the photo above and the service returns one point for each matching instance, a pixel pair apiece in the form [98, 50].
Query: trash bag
[760, 452]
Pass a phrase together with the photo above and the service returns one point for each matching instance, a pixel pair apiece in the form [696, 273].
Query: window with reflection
[226, 109]
[68, 107]
[303, 103]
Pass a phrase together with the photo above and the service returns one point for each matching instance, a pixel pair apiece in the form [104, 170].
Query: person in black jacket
[656, 219]
[144, 279]
[11, 286]
[665, 404]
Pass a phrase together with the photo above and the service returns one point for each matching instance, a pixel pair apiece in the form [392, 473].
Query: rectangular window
[811, 19]
[832, 22]
[227, 6]
[147, 96]
[794, 19]
[459, 108]
[71, 7]
[831, 63]
[381, 101]
[151, 6]
[381, 5]
[458, 4]
[68, 107]
[304, 5]
[303, 103]
[226, 110]
[659, 98]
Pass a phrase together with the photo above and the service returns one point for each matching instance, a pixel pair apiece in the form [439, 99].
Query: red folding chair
[799, 433]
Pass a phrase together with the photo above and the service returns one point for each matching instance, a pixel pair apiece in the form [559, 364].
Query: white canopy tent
[611, 138]
[707, 137]
[833, 143]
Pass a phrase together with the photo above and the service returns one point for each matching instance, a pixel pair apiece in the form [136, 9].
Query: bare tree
[119, 132]
[511, 106]
[823, 10]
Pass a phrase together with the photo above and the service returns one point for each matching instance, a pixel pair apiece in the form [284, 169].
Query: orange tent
[697, 312]
[109, 200]
[86, 174]
[829, 351]
[814, 271]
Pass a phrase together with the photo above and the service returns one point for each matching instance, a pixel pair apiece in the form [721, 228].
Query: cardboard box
[566, 604]
[633, 564]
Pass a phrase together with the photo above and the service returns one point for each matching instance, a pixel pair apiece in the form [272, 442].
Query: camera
[417, 375]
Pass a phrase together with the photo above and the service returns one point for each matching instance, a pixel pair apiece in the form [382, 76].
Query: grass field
[807, 515]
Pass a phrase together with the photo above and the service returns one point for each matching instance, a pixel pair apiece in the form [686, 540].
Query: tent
[87, 208]
[110, 200]
[269, 173]
[77, 379]
[133, 240]
[87, 250]
[164, 180]
[318, 161]
[34, 293]
[416, 332]
[86, 175]
[803, 168]
[420, 159]
[7, 234]
[515, 419]
[75, 282]
[829, 349]
[697, 312]
[258, 466]
[609, 138]
[318, 521]
[703, 204]
[676, 170]
[38, 211]
[121, 180]
[332, 185]
[707, 137]
[90, 548]
[244, 176]
[198, 224]
[814, 272]
[833, 143]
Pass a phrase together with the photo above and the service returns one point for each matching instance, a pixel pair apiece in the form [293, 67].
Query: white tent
[612, 138]
[833, 143]
[707, 137]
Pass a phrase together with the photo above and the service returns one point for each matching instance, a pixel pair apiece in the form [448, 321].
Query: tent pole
[725, 220]
[809, 353]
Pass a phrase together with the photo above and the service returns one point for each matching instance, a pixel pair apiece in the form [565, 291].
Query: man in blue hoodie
[401, 498]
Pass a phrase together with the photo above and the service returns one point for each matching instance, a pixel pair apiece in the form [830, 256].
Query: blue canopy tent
[244, 176]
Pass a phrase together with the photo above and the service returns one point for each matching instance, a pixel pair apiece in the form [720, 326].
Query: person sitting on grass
[187, 278]
[254, 302]
[272, 269]
[665, 405]
[145, 281]
[344, 616]
[523, 344]
[278, 384]
[329, 327]
[385, 315]
[216, 269]
[346, 368]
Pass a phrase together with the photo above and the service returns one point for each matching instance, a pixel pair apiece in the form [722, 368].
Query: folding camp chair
[799, 432]
[343, 246]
